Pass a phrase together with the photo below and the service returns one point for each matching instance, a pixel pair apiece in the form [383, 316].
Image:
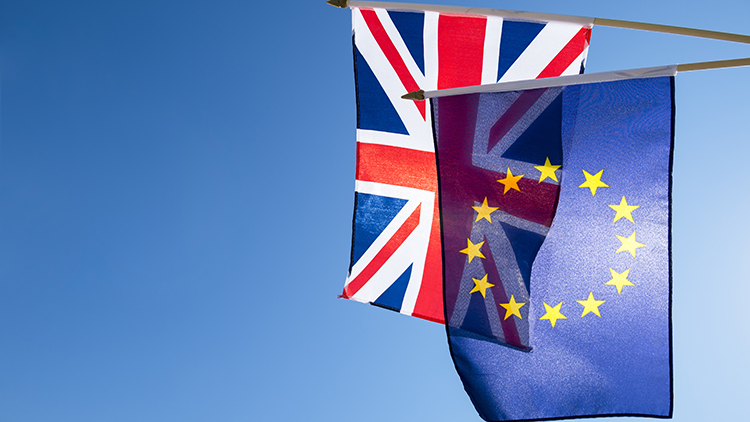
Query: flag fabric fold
[555, 213]
[396, 255]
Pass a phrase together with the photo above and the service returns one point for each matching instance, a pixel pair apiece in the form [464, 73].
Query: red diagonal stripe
[384, 254]
[394, 58]
[567, 55]
[514, 113]
[396, 166]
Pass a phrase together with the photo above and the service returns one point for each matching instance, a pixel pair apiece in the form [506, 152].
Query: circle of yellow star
[619, 280]
[481, 286]
[512, 307]
[484, 211]
[593, 182]
[511, 182]
[553, 314]
[473, 250]
[547, 170]
[629, 244]
[591, 305]
[624, 210]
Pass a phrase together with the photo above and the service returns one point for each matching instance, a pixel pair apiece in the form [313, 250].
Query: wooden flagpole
[718, 64]
[611, 23]
[421, 95]
[669, 29]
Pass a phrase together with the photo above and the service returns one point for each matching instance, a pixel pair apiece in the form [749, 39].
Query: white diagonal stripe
[542, 50]
[403, 50]
[411, 252]
[416, 125]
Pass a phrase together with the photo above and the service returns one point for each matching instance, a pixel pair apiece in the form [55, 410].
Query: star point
[473, 250]
[629, 244]
[484, 211]
[593, 181]
[511, 181]
[512, 307]
[553, 313]
[547, 170]
[481, 286]
[619, 280]
[591, 305]
[624, 210]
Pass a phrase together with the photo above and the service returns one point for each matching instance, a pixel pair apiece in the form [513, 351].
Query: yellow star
[481, 286]
[593, 182]
[624, 210]
[512, 307]
[591, 305]
[484, 211]
[473, 250]
[619, 280]
[629, 244]
[548, 170]
[553, 314]
[510, 181]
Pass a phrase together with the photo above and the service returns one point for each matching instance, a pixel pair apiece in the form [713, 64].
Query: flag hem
[510, 14]
[617, 75]
[354, 210]
[669, 248]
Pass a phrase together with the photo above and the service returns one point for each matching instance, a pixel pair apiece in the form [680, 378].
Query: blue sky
[176, 191]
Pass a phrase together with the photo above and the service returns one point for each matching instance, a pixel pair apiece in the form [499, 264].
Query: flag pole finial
[338, 3]
[414, 95]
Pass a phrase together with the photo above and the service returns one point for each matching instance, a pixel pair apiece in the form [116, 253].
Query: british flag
[396, 258]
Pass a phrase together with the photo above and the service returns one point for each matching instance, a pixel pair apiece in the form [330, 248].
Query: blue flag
[555, 210]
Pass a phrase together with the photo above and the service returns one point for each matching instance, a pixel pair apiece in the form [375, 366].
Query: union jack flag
[396, 260]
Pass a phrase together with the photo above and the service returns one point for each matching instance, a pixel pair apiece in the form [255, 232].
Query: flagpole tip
[338, 3]
[414, 95]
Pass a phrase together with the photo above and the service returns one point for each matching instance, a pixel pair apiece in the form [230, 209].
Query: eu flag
[555, 206]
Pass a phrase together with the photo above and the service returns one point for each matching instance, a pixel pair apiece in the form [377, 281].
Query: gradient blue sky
[176, 191]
